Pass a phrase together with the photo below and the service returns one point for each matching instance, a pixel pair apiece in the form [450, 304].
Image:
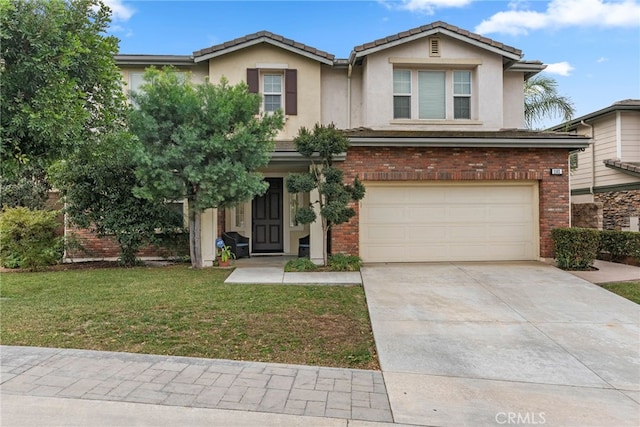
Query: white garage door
[454, 222]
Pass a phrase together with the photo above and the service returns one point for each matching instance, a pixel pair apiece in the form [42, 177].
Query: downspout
[593, 158]
[349, 96]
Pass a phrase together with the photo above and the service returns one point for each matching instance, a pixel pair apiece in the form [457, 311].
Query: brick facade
[462, 164]
[618, 207]
[92, 247]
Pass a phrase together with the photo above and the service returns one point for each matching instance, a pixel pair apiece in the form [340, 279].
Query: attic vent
[434, 47]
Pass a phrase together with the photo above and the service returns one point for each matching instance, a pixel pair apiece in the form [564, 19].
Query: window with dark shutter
[253, 80]
[291, 92]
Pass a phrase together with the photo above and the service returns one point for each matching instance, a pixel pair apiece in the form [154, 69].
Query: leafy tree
[98, 184]
[60, 84]
[541, 100]
[203, 143]
[319, 146]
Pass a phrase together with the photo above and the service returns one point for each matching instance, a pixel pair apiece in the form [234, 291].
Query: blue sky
[592, 47]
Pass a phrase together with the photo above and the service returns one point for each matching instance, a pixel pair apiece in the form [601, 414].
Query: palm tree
[541, 100]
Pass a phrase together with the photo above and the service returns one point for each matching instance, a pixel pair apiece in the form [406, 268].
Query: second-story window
[461, 95]
[432, 94]
[401, 94]
[272, 84]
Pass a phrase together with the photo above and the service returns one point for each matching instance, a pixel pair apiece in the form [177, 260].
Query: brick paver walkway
[193, 382]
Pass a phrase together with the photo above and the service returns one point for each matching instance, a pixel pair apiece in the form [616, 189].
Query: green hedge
[576, 248]
[28, 239]
[620, 244]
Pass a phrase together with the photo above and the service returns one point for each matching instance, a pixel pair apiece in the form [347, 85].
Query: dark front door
[267, 218]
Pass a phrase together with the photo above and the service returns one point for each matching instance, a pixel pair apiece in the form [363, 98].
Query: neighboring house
[605, 177]
[434, 116]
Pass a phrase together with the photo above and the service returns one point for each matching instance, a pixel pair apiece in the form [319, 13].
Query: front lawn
[629, 290]
[184, 312]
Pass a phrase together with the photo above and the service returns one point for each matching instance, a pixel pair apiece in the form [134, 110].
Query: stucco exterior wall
[487, 85]
[199, 72]
[513, 100]
[334, 96]
[234, 66]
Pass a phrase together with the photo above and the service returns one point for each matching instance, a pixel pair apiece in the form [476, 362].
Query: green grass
[629, 290]
[180, 311]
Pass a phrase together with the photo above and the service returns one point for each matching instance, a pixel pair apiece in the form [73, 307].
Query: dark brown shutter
[252, 80]
[291, 92]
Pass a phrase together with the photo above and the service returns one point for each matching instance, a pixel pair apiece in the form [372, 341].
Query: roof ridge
[266, 34]
[434, 25]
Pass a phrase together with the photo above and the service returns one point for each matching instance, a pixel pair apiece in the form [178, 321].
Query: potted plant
[224, 254]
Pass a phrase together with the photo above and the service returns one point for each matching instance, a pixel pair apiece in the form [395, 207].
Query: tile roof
[268, 35]
[624, 105]
[429, 28]
[632, 168]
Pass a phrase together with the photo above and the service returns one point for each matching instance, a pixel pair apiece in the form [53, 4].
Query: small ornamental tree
[319, 146]
[200, 142]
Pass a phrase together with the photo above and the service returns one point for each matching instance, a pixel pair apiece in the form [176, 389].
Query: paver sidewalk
[194, 382]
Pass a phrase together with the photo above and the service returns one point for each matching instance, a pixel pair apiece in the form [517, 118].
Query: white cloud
[119, 10]
[425, 6]
[563, 13]
[561, 68]
[602, 59]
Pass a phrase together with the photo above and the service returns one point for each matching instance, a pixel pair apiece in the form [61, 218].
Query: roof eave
[259, 40]
[572, 124]
[178, 60]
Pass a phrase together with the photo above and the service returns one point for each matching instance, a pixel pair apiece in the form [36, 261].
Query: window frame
[266, 93]
[402, 95]
[450, 95]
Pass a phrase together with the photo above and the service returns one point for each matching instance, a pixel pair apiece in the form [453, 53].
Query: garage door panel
[449, 222]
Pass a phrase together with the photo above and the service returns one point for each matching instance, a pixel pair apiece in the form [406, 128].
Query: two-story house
[434, 115]
[605, 177]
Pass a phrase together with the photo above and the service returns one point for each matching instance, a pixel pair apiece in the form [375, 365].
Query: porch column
[315, 232]
[208, 235]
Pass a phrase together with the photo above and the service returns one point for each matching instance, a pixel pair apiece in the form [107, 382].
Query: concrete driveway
[503, 344]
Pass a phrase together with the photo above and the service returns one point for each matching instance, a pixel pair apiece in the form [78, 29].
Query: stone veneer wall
[586, 215]
[413, 164]
[618, 207]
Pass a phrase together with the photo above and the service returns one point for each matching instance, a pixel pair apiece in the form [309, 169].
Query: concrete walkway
[485, 343]
[276, 275]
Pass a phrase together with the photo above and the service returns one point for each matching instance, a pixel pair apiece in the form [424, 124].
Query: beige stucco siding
[513, 100]
[198, 72]
[334, 96]
[487, 85]
[234, 66]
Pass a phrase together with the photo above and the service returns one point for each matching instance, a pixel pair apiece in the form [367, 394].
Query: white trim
[449, 62]
[272, 66]
[618, 135]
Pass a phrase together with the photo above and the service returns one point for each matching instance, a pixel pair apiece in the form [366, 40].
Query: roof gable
[263, 37]
[511, 54]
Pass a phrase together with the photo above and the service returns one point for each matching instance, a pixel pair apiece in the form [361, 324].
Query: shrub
[575, 248]
[342, 262]
[620, 243]
[28, 239]
[300, 264]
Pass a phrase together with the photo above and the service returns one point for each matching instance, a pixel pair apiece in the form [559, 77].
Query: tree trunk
[195, 240]
[325, 233]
